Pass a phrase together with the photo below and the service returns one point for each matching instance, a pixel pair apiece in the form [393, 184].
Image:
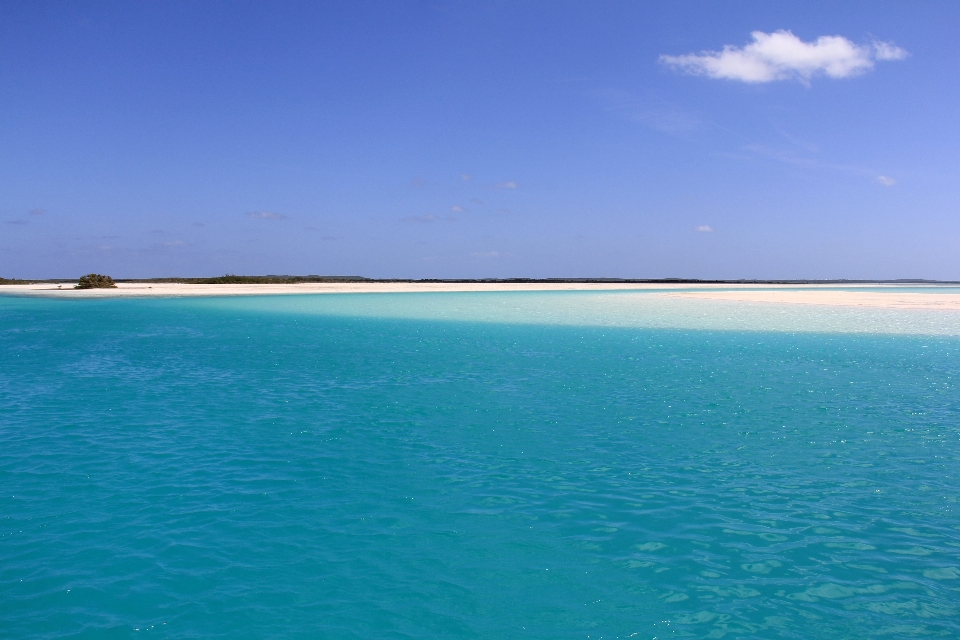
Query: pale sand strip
[171, 289]
[866, 297]
[881, 296]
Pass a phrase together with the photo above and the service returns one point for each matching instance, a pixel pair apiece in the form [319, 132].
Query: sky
[713, 140]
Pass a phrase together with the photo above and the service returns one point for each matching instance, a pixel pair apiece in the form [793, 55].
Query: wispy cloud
[457, 209]
[783, 56]
[476, 201]
[466, 177]
[704, 229]
[802, 144]
[37, 212]
[428, 218]
[652, 113]
[805, 162]
[311, 227]
[665, 120]
[888, 51]
[16, 222]
[485, 254]
[813, 163]
[266, 215]
[507, 185]
[418, 183]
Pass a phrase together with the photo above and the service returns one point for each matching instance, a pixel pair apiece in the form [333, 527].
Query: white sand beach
[130, 289]
[878, 295]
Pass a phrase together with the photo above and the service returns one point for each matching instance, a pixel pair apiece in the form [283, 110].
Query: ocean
[477, 465]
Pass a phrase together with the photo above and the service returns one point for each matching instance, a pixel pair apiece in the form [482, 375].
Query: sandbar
[876, 295]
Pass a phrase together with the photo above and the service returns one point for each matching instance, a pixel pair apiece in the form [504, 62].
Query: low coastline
[879, 295]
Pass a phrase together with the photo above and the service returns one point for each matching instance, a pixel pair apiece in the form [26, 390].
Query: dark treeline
[232, 279]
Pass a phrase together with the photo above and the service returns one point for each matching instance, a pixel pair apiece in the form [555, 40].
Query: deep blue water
[354, 467]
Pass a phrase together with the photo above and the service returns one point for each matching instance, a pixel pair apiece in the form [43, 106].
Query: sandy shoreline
[866, 297]
[139, 289]
[882, 296]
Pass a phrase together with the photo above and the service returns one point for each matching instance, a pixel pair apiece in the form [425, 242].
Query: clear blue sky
[499, 139]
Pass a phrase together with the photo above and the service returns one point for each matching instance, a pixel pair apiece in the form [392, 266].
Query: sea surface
[477, 465]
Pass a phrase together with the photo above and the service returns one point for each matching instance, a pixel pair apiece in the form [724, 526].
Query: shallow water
[650, 309]
[542, 465]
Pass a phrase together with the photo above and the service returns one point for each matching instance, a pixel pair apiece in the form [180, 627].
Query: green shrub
[96, 281]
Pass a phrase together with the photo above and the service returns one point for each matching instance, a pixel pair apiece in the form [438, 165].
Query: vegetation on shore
[233, 279]
[278, 279]
[96, 281]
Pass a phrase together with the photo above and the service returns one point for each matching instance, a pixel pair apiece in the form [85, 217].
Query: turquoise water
[533, 465]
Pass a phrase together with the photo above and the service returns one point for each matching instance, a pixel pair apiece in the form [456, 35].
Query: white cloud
[466, 177]
[704, 229]
[886, 181]
[266, 215]
[507, 185]
[457, 209]
[888, 51]
[783, 56]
